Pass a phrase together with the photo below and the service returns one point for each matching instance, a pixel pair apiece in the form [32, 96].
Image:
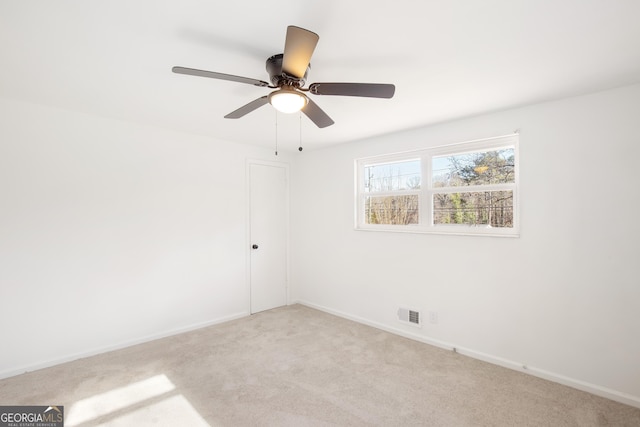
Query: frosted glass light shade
[287, 101]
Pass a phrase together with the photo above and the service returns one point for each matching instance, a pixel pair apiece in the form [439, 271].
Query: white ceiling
[448, 59]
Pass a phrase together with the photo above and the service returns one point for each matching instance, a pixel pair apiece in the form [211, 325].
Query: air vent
[410, 316]
[414, 317]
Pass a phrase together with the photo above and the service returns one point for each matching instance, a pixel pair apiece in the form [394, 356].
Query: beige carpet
[295, 366]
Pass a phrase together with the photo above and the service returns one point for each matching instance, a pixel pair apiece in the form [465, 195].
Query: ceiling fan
[288, 73]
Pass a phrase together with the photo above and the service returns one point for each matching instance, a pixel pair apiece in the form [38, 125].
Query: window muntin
[467, 188]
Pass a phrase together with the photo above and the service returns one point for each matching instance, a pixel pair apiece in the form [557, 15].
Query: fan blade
[317, 116]
[246, 109]
[371, 90]
[220, 76]
[298, 48]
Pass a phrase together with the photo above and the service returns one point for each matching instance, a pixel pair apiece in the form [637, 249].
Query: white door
[268, 235]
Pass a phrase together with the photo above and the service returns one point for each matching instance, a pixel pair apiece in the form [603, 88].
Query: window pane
[479, 168]
[487, 208]
[396, 210]
[392, 176]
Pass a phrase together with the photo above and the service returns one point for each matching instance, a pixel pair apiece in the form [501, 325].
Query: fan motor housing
[278, 77]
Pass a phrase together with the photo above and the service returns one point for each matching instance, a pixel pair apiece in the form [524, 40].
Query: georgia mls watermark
[31, 416]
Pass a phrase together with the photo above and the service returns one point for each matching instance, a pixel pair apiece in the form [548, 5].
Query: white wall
[112, 233]
[563, 299]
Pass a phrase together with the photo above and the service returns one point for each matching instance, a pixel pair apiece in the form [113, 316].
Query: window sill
[458, 231]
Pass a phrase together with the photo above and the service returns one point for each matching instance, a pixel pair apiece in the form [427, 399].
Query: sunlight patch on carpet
[139, 403]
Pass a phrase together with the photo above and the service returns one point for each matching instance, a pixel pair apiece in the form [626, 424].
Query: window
[392, 192]
[467, 188]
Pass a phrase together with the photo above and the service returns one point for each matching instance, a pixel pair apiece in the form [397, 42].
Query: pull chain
[276, 132]
[300, 116]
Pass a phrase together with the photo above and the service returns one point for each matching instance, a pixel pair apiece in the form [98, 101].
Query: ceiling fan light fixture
[288, 100]
[288, 74]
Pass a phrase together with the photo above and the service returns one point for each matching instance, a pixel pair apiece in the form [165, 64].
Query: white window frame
[427, 191]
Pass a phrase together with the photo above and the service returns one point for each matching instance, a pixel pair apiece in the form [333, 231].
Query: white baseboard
[597, 390]
[124, 344]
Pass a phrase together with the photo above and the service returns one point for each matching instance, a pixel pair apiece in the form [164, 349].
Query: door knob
[254, 246]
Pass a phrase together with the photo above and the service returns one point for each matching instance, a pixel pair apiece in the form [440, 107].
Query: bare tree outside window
[395, 178]
[487, 208]
[396, 210]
